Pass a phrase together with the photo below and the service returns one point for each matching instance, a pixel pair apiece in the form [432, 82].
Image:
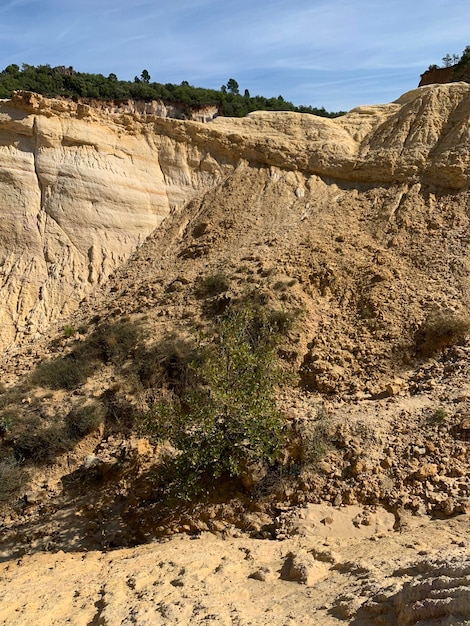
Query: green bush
[227, 420]
[69, 331]
[7, 419]
[439, 416]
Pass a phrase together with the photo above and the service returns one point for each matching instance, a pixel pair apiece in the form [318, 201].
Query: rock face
[439, 75]
[439, 593]
[81, 188]
[78, 192]
[155, 107]
[354, 230]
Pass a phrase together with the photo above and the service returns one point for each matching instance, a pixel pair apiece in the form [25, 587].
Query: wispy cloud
[12, 5]
[335, 53]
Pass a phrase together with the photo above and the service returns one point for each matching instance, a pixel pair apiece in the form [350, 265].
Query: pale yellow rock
[81, 187]
[78, 194]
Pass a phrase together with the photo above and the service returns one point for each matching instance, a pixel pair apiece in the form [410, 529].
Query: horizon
[334, 56]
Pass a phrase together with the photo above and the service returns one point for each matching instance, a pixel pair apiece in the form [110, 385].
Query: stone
[262, 574]
[303, 568]
[91, 461]
[425, 471]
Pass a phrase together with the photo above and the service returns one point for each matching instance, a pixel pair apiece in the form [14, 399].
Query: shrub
[114, 341]
[212, 285]
[119, 411]
[168, 363]
[439, 416]
[7, 419]
[442, 329]
[83, 420]
[283, 285]
[282, 321]
[68, 372]
[228, 419]
[69, 331]
[41, 445]
[12, 478]
[109, 342]
[315, 438]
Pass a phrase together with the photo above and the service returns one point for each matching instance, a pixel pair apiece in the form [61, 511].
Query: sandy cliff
[81, 188]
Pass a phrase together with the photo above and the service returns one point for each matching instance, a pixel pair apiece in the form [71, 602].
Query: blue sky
[333, 53]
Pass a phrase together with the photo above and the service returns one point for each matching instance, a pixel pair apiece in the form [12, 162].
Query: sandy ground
[330, 571]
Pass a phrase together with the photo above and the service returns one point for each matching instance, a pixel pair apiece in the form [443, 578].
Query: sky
[336, 54]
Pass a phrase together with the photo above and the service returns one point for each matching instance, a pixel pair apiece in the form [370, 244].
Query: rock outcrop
[79, 191]
[174, 110]
[436, 75]
[81, 188]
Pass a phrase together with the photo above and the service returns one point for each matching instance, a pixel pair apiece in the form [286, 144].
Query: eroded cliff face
[80, 188]
[154, 107]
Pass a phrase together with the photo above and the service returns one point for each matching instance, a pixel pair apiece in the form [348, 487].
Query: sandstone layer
[82, 187]
[79, 192]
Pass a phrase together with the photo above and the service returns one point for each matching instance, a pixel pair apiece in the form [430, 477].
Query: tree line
[67, 82]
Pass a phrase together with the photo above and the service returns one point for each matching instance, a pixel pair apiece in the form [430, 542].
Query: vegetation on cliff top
[460, 65]
[66, 82]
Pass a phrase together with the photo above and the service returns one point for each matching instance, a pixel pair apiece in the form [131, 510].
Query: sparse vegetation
[282, 321]
[6, 423]
[315, 438]
[442, 328]
[40, 444]
[110, 342]
[460, 65]
[36, 438]
[212, 284]
[283, 285]
[12, 478]
[167, 365]
[439, 416]
[84, 419]
[66, 372]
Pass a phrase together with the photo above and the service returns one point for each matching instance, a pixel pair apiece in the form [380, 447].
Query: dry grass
[442, 329]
